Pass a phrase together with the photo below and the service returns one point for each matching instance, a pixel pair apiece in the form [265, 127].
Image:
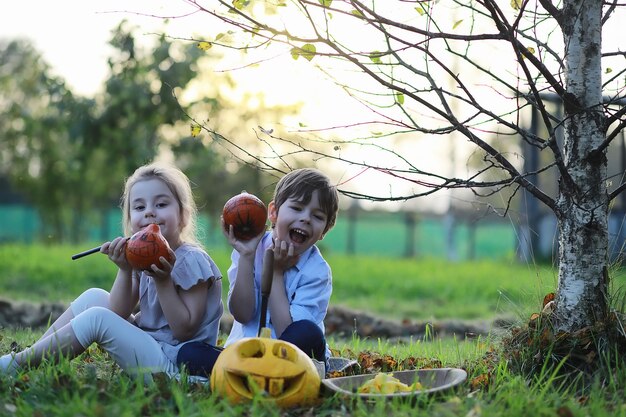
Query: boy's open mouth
[298, 235]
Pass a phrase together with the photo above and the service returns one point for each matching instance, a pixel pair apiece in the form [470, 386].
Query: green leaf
[195, 129]
[357, 13]
[240, 4]
[204, 45]
[326, 3]
[375, 57]
[457, 23]
[400, 98]
[310, 50]
[420, 10]
[516, 4]
[608, 70]
[307, 51]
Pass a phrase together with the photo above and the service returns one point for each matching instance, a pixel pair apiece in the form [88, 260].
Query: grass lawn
[392, 287]
[92, 385]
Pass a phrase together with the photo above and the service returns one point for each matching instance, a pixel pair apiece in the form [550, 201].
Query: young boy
[303, 209]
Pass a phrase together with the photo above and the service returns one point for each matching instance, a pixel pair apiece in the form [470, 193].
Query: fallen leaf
[549, 297]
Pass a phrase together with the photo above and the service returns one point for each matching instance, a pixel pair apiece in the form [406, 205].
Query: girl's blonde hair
[179, 185]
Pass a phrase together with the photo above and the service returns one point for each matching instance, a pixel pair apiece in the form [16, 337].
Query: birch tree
[473, 70]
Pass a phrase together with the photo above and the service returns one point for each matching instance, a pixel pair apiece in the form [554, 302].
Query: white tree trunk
[582, 207]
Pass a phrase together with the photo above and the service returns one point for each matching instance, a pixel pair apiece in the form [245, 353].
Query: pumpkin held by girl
[146, 247]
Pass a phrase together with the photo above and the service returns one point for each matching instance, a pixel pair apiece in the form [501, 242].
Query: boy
[303, 209]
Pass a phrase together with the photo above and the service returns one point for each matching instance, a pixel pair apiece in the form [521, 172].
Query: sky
[72, 35]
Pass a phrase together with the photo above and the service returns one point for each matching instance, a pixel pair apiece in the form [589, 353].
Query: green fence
[393, 234]
[369, 233]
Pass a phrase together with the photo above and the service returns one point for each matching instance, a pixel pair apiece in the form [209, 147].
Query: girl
[179, 302]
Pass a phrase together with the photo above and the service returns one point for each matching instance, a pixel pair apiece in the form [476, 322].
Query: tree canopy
[68, 156]
[472, 72]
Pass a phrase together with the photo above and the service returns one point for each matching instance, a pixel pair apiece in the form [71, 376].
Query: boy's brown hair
[300, 184]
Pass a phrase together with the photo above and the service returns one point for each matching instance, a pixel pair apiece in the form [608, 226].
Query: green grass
[437, 289]
[421, 289]
[92, 385]
[41, 273]
[415, 289]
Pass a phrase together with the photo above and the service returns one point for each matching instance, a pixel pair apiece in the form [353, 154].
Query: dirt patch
[26, 314]
[340, 322]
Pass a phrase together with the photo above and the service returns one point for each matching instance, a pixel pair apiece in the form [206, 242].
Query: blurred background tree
[43, 128]
[68, 156]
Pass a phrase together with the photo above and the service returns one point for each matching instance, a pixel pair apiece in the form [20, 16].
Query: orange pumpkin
[146, 247]
[246, 213]
[266, 369]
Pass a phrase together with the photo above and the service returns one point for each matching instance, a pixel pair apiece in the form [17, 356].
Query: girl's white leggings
[134, 350]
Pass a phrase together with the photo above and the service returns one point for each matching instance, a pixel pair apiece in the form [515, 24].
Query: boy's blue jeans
[199, 357]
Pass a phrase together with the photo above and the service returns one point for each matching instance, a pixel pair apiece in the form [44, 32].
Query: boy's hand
[244, 247]
[284, 257]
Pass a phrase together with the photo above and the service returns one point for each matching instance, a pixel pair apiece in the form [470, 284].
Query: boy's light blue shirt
[308, 285]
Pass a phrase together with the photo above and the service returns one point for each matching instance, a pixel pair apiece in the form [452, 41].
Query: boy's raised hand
[284, 257]
[244, 247]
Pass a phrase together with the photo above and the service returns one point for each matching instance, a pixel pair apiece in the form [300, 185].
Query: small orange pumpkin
[277, 370]
[246, 213]
[146, 247]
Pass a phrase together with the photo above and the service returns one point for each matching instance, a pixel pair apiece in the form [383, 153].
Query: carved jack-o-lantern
[246, 213]
[146, 247]
[266, 368]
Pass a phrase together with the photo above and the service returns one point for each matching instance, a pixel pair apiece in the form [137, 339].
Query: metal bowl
[432, 380]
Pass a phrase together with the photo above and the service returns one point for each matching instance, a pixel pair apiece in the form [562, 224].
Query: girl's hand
[284, 257]
[163, 273]
[116, 250]
[244, 247]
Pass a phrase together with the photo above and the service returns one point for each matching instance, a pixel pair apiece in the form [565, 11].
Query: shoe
[321, 368]
[8, 364]
[343, 365]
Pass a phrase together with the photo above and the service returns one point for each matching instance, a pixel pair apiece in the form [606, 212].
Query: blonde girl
[180, 301]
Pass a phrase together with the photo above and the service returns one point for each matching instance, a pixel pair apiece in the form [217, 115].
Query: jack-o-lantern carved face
[146, 247]
[266, 368]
